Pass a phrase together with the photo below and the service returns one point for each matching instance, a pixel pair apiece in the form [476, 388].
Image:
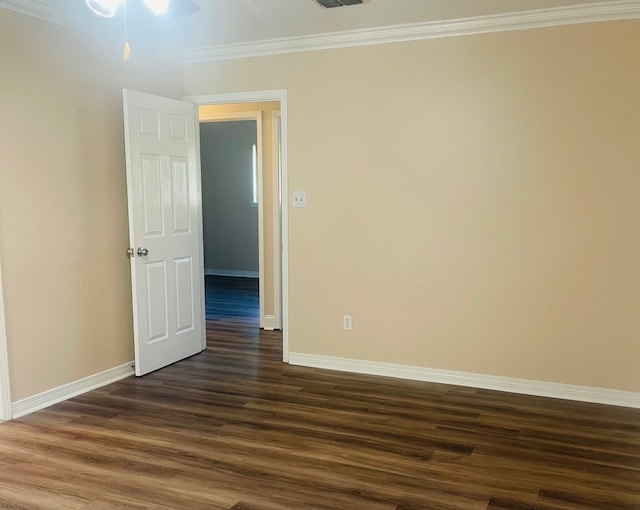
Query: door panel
[164, 229]
[156, 289]
[178, 128]
[151, 195]
[180, 187]
[184, 295]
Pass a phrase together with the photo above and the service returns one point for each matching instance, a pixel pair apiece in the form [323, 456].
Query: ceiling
[224, 22]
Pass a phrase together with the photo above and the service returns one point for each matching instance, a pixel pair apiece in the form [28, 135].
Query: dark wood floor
[232, 300]
[234, 428]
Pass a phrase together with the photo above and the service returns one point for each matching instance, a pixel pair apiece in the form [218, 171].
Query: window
[255, 176]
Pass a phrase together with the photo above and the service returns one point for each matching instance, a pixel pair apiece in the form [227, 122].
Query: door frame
[277, 200]
[5, 390]
[257, 117]
[256, 97]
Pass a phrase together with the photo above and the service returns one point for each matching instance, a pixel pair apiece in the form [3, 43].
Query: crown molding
[613, 10]
[569, 15]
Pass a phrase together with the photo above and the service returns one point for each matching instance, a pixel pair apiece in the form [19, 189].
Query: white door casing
[165, 219]
[277, 215]
[283, 188]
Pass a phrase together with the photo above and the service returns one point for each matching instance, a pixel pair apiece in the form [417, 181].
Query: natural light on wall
[255, 175]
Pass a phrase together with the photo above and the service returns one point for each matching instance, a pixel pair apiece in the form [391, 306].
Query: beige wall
[63, 206]
[473, 201]
[269, 183]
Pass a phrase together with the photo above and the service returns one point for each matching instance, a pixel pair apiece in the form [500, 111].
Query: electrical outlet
[299, 199]
[347, 323]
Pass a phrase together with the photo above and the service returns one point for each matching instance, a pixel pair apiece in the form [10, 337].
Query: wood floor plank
[234, 428]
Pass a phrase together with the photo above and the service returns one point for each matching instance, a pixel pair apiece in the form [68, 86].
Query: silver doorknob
[142, 252]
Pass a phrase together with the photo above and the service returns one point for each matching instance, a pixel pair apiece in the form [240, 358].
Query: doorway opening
[276, 192]
[262, 174]
[230, 199]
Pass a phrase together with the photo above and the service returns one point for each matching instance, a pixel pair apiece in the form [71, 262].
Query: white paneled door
[165, 229]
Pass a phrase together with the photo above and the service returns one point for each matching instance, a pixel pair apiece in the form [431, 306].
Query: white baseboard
[231, 272]
[270, 322]
[489, 382]
[66, 391]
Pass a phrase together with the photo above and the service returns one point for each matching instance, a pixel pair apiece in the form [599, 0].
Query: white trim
[256, 97]
[538, 18]
[259, 132]
[238, 97]
[489, 382]
[5, 388]
[66, 391]
[277, 215]
[614, 10]
[261, 264]
[270, 323]
[284, 218]
[200, 227]
[232, 272]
